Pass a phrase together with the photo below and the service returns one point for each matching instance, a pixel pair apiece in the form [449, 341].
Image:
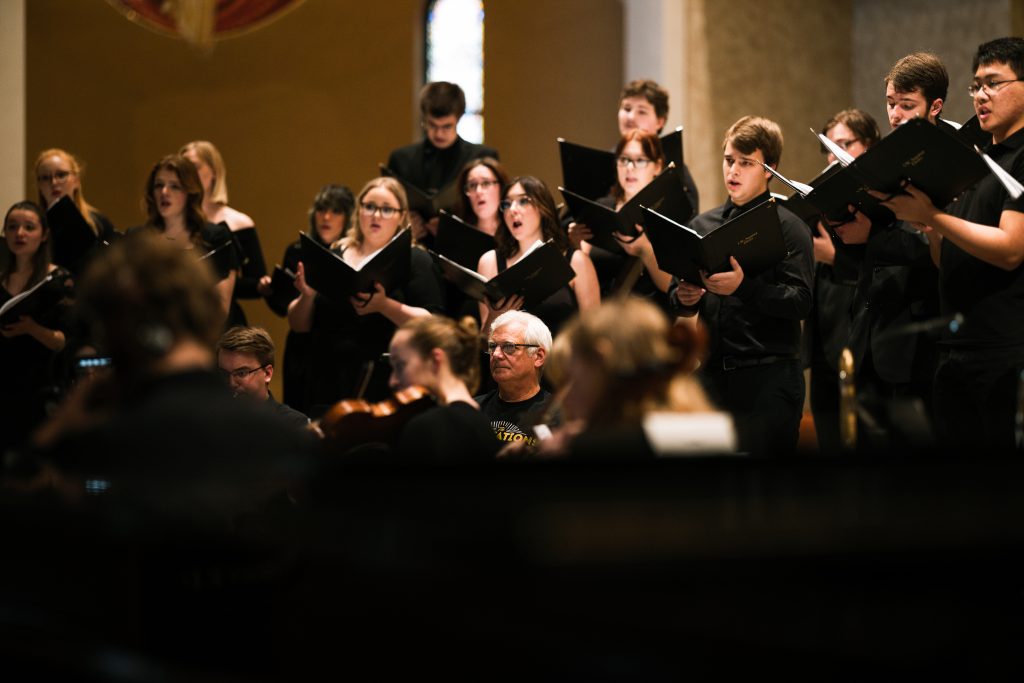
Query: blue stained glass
[455, 53]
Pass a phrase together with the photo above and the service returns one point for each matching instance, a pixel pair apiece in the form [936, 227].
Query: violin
[356, 425]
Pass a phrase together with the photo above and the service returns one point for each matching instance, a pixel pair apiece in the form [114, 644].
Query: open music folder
[591, 172]
[535, 277]
[328, 274]
[754, 238]
[937, 162]
[461, 242]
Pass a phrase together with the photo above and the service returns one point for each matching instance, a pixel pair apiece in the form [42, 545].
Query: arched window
[455, 52]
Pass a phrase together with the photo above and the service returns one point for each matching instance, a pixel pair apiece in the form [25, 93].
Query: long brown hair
[535, 189]
[464, 209]
[195, 219]
[40, 260]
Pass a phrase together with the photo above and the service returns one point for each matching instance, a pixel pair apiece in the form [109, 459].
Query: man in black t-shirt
[980, 250]
[518, 345]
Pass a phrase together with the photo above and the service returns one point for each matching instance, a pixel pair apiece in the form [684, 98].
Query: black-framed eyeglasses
[483, 185]
[639, 162]
[56, 175]
[521, 202]
[241, 373]
[846, 143]
[385, 211]
[508, 348]
[990, 87]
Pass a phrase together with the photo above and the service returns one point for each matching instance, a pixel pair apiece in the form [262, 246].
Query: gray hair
[534, 329]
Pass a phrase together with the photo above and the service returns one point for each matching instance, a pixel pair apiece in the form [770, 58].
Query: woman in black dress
[349, 336]
[213, 177]
[174, 207]
[441, 356]
[30, 339]
[328, 220]
[529, 215]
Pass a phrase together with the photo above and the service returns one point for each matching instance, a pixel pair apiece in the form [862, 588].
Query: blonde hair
[645, 362]
[460, 342]
[209, 155]
[353, 236]
[78, 168]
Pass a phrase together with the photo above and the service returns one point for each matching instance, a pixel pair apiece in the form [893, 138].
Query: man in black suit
[434, 162]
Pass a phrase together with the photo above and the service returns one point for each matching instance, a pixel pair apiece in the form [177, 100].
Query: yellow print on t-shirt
[508, 432]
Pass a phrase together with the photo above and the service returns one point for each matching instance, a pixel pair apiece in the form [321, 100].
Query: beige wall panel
[319, 96]
[787, 60]
[952, 29]
[553, 69]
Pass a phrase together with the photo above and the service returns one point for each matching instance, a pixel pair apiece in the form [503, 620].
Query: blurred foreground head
[624, 359]
[144, 298]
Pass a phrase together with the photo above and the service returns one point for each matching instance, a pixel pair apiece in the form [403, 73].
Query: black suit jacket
[430, 168]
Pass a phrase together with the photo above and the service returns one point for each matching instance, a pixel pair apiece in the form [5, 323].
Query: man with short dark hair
[753, 368]
[518, 345]
[434, 162]
[245, 356]
[897, 284]
[979, 241]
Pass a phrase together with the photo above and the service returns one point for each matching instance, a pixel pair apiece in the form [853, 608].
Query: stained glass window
[455, 53]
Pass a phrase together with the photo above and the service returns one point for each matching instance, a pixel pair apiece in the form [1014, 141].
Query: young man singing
[753, 369]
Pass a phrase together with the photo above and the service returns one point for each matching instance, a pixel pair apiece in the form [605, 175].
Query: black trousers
[766, 403]
[975, 400]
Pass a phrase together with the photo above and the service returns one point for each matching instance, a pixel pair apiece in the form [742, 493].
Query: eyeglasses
[56, 175]
[482, 185]
[989, 88]
[438, 128]
[508, 348]
[846, 144]
[521, 202]
[384, 211]
[241, 373]
[638, 163]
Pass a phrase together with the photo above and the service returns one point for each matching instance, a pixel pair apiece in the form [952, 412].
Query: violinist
[442, 356]
[349, 336]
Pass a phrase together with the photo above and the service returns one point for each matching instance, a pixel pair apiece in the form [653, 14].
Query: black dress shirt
[762, 317]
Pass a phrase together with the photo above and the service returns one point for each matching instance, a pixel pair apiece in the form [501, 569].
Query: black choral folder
[282, 290]
[535, 277]
[664, 194]
[328, 274]
[32, 302]
[425, 202]
[73, 238]
[591, 172]
[754, 238]
[938, 163]
[223, 258]
[460, 241]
